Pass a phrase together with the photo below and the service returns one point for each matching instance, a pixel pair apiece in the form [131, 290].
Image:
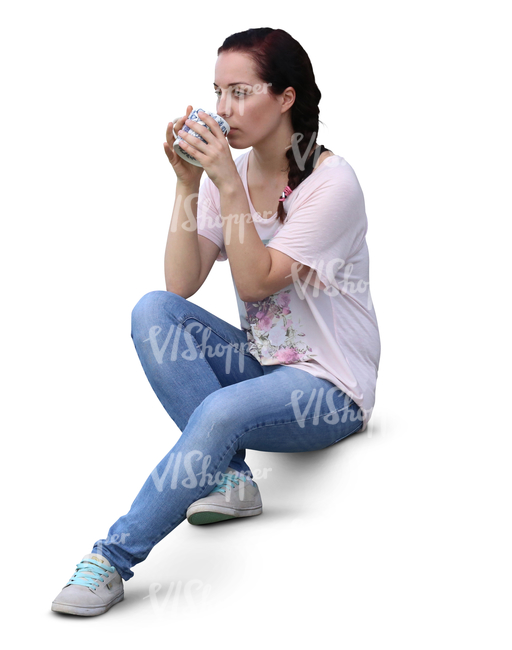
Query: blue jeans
[224, 402]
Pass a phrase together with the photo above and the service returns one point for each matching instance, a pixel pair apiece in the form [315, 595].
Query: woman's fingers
[181, 121]
[179, 124]
[169, 152]
[173, 128]
[176, 126]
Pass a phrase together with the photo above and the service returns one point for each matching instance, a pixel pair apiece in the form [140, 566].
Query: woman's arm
[182, 262]
[248, 256]
[257, 269]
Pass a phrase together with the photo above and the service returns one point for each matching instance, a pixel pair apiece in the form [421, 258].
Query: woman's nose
[224, 105]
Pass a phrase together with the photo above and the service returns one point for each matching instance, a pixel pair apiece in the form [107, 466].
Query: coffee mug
[195, 118]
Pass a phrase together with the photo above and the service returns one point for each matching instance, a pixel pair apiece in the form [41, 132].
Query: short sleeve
[209, 222]
[326, 222]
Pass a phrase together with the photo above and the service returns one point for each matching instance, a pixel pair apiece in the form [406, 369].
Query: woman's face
[244, 101]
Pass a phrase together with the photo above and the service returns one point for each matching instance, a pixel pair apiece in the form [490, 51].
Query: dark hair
[281, 61]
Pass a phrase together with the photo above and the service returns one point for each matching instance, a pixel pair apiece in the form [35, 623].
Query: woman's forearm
[182, 263]
[248, 256]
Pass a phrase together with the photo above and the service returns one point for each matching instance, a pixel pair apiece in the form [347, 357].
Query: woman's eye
[238, 93]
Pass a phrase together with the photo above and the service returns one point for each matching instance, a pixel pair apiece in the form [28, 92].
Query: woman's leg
[284, 410]
[187, 353]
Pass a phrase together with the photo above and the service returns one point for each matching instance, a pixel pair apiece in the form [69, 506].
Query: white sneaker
[92, 589]
[235, 496]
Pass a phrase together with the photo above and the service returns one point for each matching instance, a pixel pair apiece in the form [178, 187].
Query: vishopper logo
[207, 220]
[301, 159]
[191, 352]
[192, 595]
[333, 417]
[239, 219]
[193, 480]
[332, 267]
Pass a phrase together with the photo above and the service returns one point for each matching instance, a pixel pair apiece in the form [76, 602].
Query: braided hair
[281, 61]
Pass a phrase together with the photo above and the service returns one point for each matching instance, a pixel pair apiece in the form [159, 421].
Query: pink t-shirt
[331, 331]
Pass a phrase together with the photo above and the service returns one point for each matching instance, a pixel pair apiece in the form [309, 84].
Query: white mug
[195, 118]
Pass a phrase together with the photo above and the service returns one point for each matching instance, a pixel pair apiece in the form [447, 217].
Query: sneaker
[235, 496]
[92, 589]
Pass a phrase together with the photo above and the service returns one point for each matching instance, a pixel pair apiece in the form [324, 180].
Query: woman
[300, 374]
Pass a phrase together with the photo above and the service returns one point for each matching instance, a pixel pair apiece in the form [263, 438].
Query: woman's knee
[219, 416]
[148, 310]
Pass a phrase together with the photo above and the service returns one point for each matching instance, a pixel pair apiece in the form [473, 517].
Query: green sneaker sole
[200, 518]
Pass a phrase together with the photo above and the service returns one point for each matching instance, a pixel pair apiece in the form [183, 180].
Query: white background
[397, 537]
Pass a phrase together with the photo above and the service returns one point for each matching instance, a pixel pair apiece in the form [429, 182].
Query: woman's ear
[288, 98]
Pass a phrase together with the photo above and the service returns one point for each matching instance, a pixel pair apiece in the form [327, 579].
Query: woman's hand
[187, 173]
[215, 156]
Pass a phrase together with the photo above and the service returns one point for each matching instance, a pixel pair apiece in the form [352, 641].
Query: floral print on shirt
[274, 337]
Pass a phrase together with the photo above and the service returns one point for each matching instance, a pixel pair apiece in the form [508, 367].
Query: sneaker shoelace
[229, 481]
[80, 577]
